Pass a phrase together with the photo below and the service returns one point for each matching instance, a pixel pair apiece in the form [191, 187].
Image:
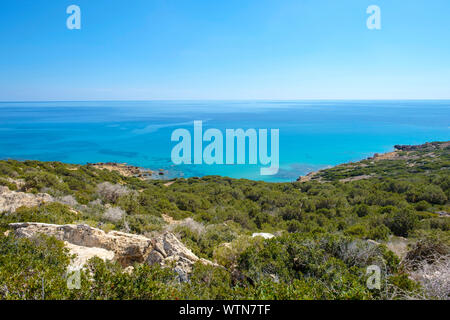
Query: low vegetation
[328, 230]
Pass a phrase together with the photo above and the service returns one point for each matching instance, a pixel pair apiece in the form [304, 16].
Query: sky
[224, 49]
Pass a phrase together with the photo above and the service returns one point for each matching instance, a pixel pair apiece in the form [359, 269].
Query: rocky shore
[428, 146]
[131, 171]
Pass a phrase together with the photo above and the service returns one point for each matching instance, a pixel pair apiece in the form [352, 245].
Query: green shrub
[33, 268]
[11, 186]
[54, 212]
[36, 181]
[362, 210]
[402, 222]
[380, 233]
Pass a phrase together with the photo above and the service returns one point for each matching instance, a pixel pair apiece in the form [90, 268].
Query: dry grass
[428, 262]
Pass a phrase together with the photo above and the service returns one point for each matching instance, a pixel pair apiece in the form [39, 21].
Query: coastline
[314, 135]
[131, 171]
[401, 152]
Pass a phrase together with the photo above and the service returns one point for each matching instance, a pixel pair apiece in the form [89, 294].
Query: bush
[110, 282]
[114, 214]
[434, 277]
[362, 210]
[36, 181]
[380, 233]
[227, 254]
[33, 268]
[429, 250]
[54, 212]
[143, 223]
[110, 193]
[430, 193]
[402, 222]
[68, 200]
[357, 230]
[422, 205]
[11, 186]
[294, 226]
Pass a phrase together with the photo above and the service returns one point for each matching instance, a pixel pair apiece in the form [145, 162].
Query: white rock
[87, 242]
[11, 200]
[128, 248]
[168, 250]
[83, 254]
[263, 234]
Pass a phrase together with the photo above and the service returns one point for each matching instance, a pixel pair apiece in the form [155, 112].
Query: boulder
[263, 234]
[83, 254]
[128, 248]
[11, 200]
[86, 242]
[167, 250]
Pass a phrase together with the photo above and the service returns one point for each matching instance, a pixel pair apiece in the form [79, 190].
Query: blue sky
[224, 49]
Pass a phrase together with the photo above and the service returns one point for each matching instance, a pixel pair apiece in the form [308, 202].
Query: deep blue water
[312, 134]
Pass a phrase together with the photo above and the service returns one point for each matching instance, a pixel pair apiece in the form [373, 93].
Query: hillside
[390, 210]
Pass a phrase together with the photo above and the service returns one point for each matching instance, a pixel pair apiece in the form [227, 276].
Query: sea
[312, 134]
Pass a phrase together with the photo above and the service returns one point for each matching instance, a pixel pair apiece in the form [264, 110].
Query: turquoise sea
[313, 134]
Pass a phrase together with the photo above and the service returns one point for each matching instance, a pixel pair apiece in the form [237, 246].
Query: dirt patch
[399, 246]
[356, 178]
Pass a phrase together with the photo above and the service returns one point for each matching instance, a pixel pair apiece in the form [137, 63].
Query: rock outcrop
[128, 170]
[429, 146]
[123, 168]
[127, 248]
[11, 200]
[86, 242]
[168, 250]
[83, 254]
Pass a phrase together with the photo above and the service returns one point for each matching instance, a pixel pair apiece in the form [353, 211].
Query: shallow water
[312, 134]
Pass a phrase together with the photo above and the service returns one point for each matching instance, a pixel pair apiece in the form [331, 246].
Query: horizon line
[149, 100]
